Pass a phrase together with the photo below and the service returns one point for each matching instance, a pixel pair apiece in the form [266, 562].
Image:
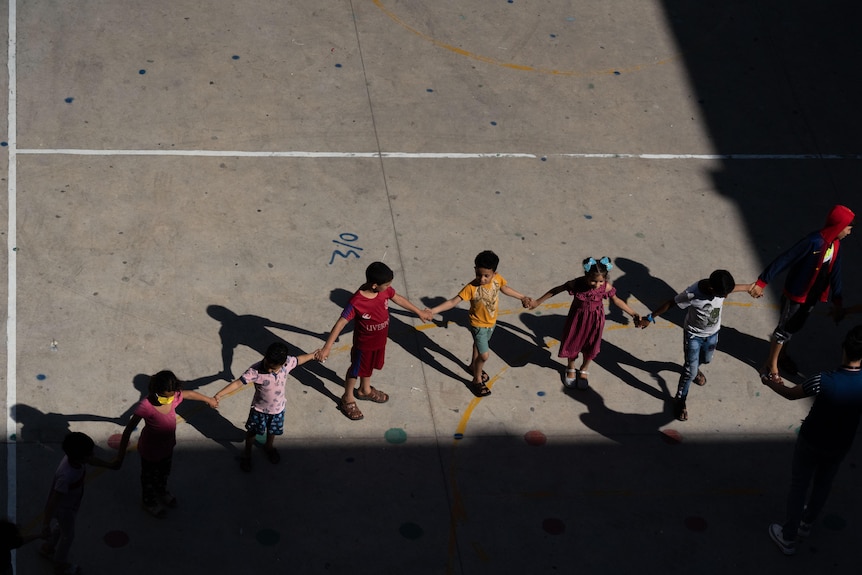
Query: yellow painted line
[512, 65]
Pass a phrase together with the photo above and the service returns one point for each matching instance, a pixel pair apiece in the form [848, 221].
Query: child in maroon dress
[586, 319]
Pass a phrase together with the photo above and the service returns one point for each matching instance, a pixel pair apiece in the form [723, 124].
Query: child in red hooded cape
[814, 274]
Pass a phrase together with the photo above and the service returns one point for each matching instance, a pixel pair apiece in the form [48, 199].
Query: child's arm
[127, 434]
[741, 287]
[195, 396]
[424, 315]
[229, 388]
[620, 303]
[645, 321]
[525, 301]
[446, 305]
[96, 462]
[333, 335]
[48, 513]
[300, 359]
[549, 294]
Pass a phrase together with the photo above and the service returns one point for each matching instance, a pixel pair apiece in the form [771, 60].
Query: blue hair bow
[605, 261]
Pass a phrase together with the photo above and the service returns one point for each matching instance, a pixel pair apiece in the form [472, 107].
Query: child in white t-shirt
[703, 300]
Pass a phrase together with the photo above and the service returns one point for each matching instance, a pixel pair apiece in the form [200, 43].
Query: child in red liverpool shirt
[369, 308]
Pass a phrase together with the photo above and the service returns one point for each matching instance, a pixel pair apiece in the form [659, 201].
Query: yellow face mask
[165, 400]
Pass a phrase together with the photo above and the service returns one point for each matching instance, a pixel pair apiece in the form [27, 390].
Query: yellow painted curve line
[512, 65]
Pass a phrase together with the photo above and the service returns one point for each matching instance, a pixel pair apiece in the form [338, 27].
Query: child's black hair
[276, 354]
[78, 446]
[600, 267]
[378, 273]
[487, 260]
[163, 383]
[853, 344]
[721, 282]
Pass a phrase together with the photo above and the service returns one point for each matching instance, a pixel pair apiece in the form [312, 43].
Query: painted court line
[11, 273]
[419, 155]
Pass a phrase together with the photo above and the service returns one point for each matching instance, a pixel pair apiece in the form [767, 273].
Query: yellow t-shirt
[484, 301]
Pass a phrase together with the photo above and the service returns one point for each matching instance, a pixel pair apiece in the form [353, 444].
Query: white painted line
[11, 301]
[424, 155]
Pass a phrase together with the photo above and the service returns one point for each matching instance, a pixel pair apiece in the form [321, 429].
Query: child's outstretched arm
[446, 305]
[424, 315]
[525, 301]
[195, 396]
[333, 335]
[124, 441]
[306, 357]
[620, 303]
[548, 294]
[650, 318]
[229, 388]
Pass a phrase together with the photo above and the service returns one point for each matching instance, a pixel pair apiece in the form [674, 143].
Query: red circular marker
[553, 526]
[535, 438]
[696, 524]
[114, 441]
[671, 436]
[116, 539]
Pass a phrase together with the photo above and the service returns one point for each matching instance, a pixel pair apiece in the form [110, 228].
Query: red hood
[839, 218]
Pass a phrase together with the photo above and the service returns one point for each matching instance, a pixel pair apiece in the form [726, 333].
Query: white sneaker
[776, 532]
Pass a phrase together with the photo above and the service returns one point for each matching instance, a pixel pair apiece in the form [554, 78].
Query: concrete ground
[189, 181]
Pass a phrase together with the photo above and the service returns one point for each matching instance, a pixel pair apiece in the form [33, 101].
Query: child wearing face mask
[156, 444]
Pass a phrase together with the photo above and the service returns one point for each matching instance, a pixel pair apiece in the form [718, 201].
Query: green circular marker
[395, 435]
[261, 439]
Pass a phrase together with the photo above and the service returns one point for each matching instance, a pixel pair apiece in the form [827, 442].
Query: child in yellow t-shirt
[483, 293]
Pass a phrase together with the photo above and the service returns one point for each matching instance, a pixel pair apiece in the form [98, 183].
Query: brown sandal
[375, 395]
[767, 378]
[351, 411]
[699, 379]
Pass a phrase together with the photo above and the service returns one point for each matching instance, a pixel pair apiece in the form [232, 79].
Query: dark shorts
[364, 362]
[792, 318]
[265, 423]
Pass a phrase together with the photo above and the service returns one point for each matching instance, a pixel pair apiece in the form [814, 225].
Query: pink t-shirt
[69, 483]
[268, 387]
[160, 429]
[372, 319]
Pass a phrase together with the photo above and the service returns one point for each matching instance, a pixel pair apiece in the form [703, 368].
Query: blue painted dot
[235, 57]
[617, 72]
[41, 377]
[553, 35]
[4, 144]
[588, 217]
[338, 65]
[544, 158]
[429, 90]
[70, 100]
[142, 71]
[458, 436]
[493, 123]
[511, 1]
[540, 393]
[570, 19]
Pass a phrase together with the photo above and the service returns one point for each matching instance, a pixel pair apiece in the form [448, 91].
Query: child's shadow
[252, 331]
[48, 427]
[650, 291]
[412, 340]
[611, 358]
[616, 425]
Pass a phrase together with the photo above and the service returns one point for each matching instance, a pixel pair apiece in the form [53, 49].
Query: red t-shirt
[372, 319]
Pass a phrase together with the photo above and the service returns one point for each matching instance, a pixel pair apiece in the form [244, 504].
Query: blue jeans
[697, 350]
[811, 467]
